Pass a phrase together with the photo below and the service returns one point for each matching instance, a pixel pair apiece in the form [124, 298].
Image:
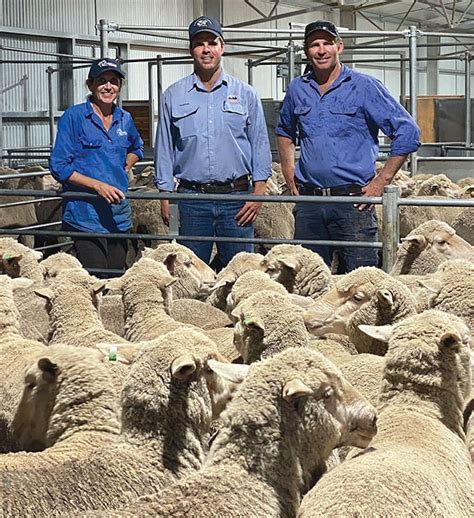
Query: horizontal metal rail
[27, 202]
[22, 175]
[41, 225]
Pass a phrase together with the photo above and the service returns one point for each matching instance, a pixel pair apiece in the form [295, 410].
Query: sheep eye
[31, 386]
[358, 296]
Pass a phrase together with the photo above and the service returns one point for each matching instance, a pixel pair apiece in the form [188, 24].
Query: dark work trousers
[100, 253]
[338, 222]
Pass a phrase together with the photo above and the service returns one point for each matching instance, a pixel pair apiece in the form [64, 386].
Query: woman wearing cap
[96, 145]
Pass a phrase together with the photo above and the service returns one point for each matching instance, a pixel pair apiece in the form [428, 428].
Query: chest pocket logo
[184, 120]
[235, 117]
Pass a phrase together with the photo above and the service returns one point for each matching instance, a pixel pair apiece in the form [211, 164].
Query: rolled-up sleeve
[258, 137]
[394, 121]
[287, 122]
[164, 150]
[63, 153]
[136, 142]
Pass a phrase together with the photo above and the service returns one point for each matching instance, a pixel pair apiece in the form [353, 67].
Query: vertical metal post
[290, 54]
[2, 142]
[151, 103]
[50, 72]
[104, 38]
[24, 85]
[467, 96]
[413, 35]
[390, 230]
[159, 84]
[250, 72]
[403, 79]
[174, 227]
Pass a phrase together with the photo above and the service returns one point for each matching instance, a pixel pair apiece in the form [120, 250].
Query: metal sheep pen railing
[390, 202]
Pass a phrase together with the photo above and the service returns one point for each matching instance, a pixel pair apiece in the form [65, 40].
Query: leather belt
[239, 184]
[340, 190]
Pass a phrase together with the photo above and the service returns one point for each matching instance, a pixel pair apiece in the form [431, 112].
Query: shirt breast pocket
[185, 120]
[305, 124]
[88, 146]
[235, 117]
[343, 121]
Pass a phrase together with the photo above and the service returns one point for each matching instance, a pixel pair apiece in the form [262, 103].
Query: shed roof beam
[275, 17]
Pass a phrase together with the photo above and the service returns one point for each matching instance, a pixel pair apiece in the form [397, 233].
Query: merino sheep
[14, 351]
[241, 263]
[336, 348]
[193, 275]
[452, 289]
[300, 270]
[56, 263]
[250, 283]
[18, 260]
[167, 408]
[267, 323]
[463, 224]
[68, 409]
[366, 295]
[418, 464]
[278, 431]
[426, 247]
[201, 314]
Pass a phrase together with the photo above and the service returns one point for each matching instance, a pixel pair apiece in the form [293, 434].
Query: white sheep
[427, 246]
[241, 263]
[193, 276]
[418, 465]
[167, 407]
[278, 431]
[366, 295]
[300, 270]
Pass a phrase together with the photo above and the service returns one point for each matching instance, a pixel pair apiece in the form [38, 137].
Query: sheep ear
[300, 301]
[169, 282]
[183, 367]
[385, 297]
[416, 240]
[294, 389]
[432, 285]
[255, 323]
[170, 262]
[38, 255]
[121, 353]
[221, 283]
[44, 293]
[21, 282]
[382, 333]
[11, 258]
[99, 286]
[234, 372]
[450, 341]
[289, 262]
[49, 369]
[114, 284]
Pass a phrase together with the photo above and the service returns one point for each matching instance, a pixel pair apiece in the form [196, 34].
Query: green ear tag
[113, 353]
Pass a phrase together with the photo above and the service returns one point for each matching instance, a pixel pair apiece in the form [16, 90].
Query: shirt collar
[117, 114]
[344, 75]
[197, 83]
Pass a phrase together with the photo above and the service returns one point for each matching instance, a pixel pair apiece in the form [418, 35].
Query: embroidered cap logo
[202, 22]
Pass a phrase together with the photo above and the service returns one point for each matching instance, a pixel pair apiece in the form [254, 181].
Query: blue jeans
[337, 221]
[213, 218]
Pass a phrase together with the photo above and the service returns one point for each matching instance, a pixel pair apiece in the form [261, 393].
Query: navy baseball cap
[321, 25]
[205, 24]
[99, 66]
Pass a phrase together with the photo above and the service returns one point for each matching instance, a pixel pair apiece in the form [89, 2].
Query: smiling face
[106, 87]
[206, 49]
[323, 51]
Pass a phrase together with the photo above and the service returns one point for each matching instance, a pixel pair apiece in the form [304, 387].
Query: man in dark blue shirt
[337, 113]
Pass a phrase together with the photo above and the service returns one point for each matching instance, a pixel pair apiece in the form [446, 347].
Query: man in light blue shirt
[212, 138]
[336, 114]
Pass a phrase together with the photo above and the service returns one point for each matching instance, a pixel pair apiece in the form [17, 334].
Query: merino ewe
[427, 246]
[366, 295]
[241, 263]
[200, 314]
[68, 409]
[167, 408]
[336, 348]
[463, 224]
[300, 270]
[278, 431]
[14, 357]
[267, 323]
[250, 283]
[452, 289]
[418, 465]
[56, 263]
[18, 260]
[193, 276]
